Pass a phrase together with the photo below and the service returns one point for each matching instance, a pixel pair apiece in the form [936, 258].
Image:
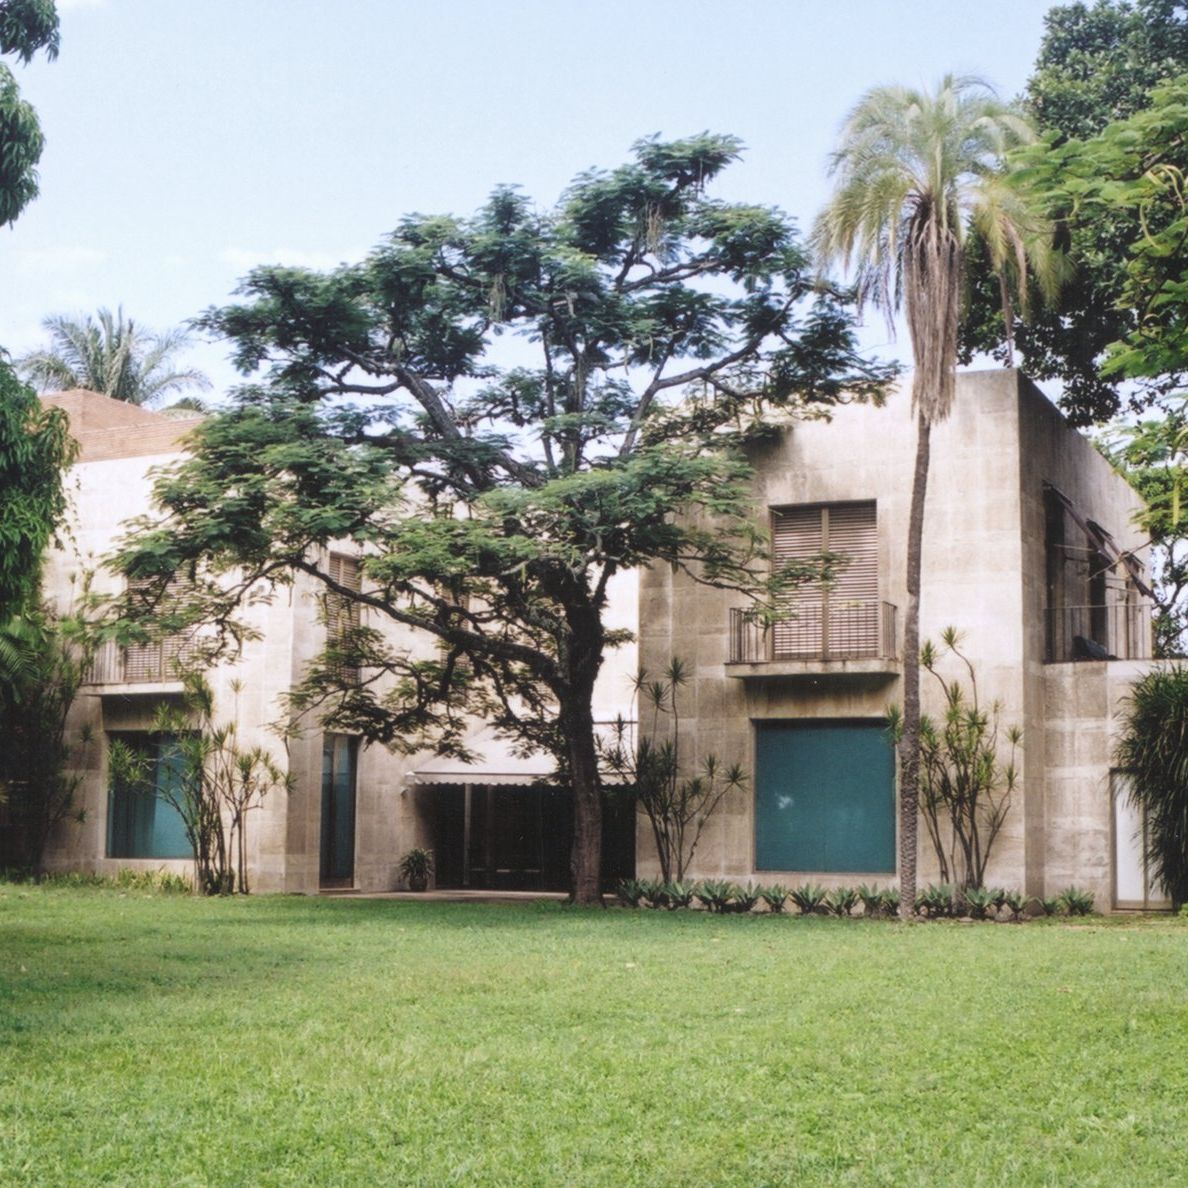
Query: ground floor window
[824, 797]
[339, 760]
[141, 823]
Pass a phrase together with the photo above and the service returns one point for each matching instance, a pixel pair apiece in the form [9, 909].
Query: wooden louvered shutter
[853, 618]
[342, 614]
[796, 535]
[162, 659]
[841, 619]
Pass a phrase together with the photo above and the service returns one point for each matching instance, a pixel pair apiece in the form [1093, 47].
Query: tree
[111, 355]
[26, 26]
[915, 171]
[1098, 64]
[505, 411]
[1153, 750]
[677, 805]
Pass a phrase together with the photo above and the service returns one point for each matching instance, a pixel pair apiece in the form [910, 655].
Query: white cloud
[59, 259]
[245, 258]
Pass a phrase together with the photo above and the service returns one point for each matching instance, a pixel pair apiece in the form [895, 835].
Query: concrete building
[352, 811]
[1030, 552]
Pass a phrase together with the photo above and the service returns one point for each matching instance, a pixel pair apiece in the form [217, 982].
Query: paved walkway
[454, 896]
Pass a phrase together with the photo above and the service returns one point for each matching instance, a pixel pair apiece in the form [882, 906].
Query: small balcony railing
[1114, 631]
[141, 664]
[818, 631]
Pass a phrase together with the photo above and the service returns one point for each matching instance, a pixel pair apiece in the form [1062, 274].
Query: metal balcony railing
[821, 631]
[1113, 631]
[141, 664]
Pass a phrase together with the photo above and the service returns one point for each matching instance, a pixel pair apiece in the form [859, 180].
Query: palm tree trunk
[586, 861]
[909, 745]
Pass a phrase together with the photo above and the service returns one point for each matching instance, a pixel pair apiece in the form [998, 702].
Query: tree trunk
[586, 861]
[909, 745]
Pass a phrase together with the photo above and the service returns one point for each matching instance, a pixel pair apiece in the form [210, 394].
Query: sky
[189, 140]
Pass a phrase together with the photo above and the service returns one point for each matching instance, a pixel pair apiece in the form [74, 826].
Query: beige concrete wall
[983, 571]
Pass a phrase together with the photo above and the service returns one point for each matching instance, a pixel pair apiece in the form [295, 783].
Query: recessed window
[141, 823]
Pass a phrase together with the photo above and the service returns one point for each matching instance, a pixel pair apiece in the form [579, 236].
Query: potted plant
[415, 868]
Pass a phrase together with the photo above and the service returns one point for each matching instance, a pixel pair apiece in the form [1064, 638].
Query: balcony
[1111, 631]
[141, 668]
[816, 639]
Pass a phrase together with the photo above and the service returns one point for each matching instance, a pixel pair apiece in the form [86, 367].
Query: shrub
[871, 899]
[745, 898]
[1049, 906]
[809, 898]
[679, 895]
[630, 892]
[654, 893]
[890, 902]
[842, 901]
[716, 895]
[1075, 902]
[980, 901]
[936, 901]
[775, 896]
[1017, 902]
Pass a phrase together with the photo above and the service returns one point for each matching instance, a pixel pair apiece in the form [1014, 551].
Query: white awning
[494, 763]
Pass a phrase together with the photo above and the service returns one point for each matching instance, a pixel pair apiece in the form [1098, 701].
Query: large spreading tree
[504, 412]
[916, 173]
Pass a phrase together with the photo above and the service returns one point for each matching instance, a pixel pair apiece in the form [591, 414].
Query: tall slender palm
[915, 173]
[110, 354]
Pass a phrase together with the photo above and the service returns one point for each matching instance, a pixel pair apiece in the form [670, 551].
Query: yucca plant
[654, 893]
[629, 892]
[842, 901]
[1075, 902]
[809, 898]
[871, 899]
[1049, 905]
[775, 896]
[745, 898]
[890, 902]
[679, 895]
[1154, 752]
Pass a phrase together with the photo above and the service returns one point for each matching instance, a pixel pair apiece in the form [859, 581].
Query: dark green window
[140, 822]
[824, 797]
[339, 753]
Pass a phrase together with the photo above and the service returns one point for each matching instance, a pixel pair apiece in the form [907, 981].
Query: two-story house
[1030, 552]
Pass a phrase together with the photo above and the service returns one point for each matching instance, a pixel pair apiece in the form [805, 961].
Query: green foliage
[112, 355]
[665, 327]
[871, 899]
[980, 901]
[891, 899]
[677, 806]
[809, 898]
[1097, 65]
[716, 895]
[655, 892]
[745, 898]
[26, 26]
[416, 864]
[630, 892]
[965, 786]
[679, 895]
[1075, 902]
[937, 901]
[35, 448]
[218, 784]
[1153, 750]
[1017, 902]
[1049, 905]
[842, 901]
[148, 882]
[44, 657]
[775, 896]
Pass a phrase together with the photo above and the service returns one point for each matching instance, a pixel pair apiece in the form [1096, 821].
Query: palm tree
[111, 355]
[915, 173]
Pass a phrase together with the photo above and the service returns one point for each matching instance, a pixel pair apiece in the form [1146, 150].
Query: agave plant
[842, 901]
[980, 901]
[809, 898]
[1049, 905]
[871, 899]
[745, 898]
[936, 901]
[1017, 902]
[775, 896]
[679, 895]
[1076, 902]
[889, 905]
[654, 893]
[630, 892]
[716, 894]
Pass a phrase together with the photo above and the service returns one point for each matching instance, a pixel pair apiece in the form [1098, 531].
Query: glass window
[141, 823]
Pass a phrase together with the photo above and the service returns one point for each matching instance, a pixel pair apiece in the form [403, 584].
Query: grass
[149, 1039]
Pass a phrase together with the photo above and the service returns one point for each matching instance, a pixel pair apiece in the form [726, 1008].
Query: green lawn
[165, 1040]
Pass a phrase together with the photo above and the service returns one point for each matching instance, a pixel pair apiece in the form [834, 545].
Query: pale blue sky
[191, 139]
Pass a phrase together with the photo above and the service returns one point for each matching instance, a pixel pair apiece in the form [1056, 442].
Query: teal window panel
[140, 823]
[824, 797]
[339, 754]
